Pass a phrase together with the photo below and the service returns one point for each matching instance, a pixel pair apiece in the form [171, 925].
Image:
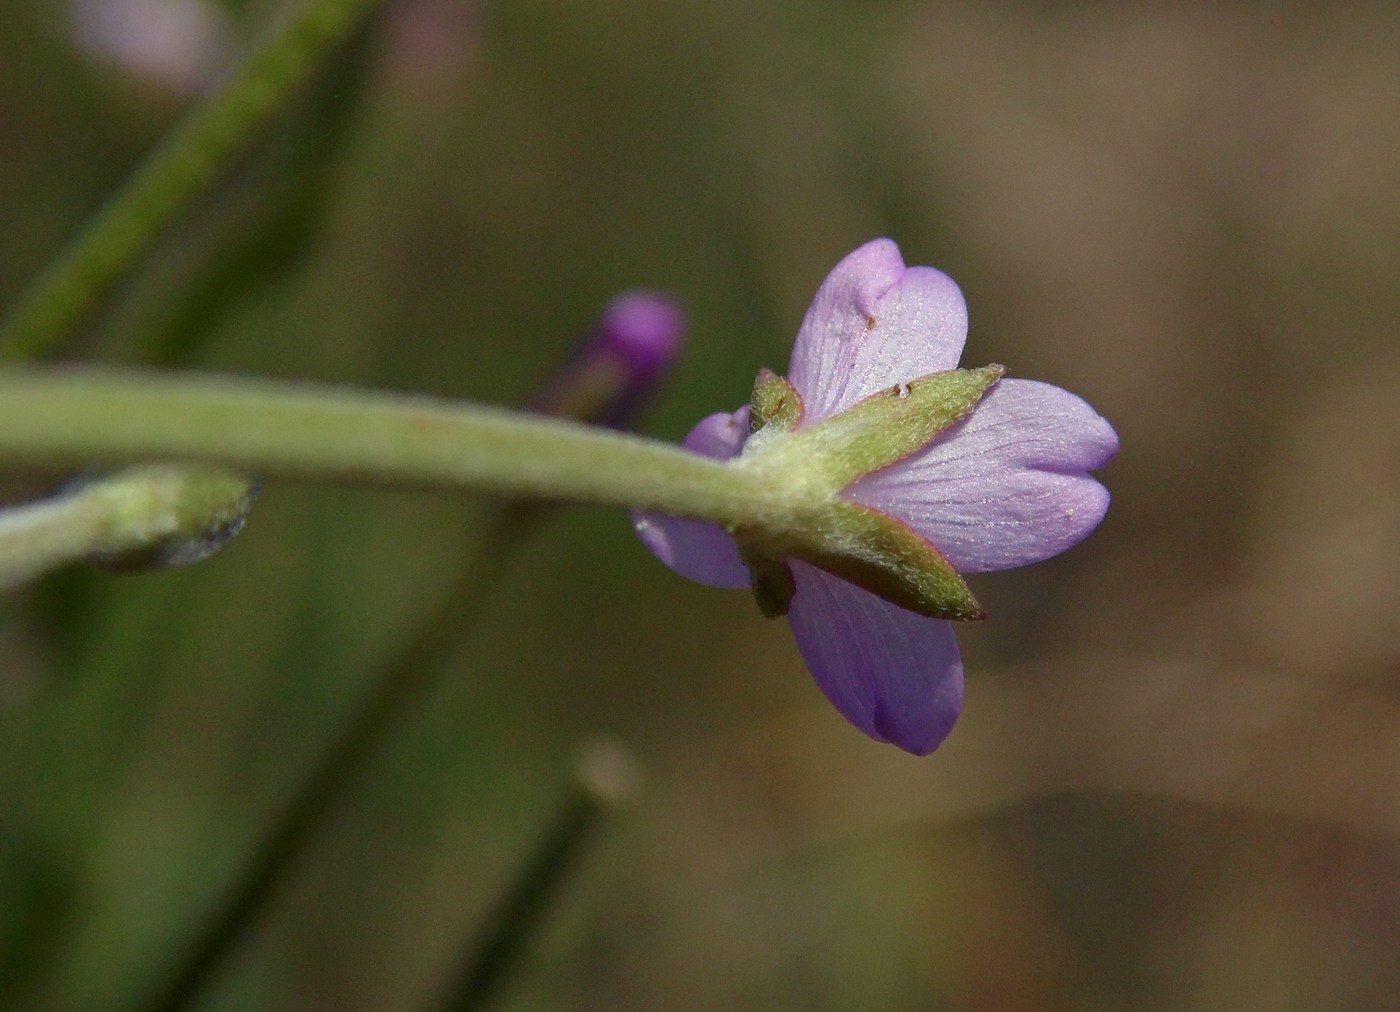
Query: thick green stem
[186, 163]
[81, 417]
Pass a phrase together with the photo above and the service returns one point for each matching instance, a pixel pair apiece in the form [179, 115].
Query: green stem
[42, 535]
[186, 163]
[52, 418]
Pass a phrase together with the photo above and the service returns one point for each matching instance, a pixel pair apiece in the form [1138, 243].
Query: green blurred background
[1176, 784]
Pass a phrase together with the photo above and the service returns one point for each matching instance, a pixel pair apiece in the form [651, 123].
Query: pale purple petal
[701, 551]
[1006, 487]
[895, 675]
[875, 323]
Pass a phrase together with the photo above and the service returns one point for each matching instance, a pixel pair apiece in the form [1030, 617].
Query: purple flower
[1005, 485]
[613, 376]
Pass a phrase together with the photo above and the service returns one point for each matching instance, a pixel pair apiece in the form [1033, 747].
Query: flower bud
[613, 377]
[161, 516]
[147, 517]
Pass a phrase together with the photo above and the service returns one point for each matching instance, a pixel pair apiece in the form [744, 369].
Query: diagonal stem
[190, 159]
[395, 689]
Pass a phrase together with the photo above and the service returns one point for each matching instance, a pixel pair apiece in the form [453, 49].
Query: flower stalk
[84, 417]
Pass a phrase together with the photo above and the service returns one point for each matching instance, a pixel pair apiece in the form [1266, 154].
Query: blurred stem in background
[190, 159]
[607, 779]
[393, 691]
[261, 224]
[612, 378]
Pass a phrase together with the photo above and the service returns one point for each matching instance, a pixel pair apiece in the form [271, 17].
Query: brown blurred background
[1176, 784]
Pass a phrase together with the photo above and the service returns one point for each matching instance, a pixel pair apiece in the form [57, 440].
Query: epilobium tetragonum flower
[928, 471]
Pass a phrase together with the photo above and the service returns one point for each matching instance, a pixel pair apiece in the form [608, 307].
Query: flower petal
[1007, 486]
[875, 323]
[701, 551]
[895, 675]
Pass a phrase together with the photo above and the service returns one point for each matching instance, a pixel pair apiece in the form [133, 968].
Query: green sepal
[861, 545]
[867, 548]
[878, 553]
[856, 543]
[776, 402]
[889, 425]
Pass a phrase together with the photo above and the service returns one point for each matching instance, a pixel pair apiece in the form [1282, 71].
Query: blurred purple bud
[184, 45]
[621, 366]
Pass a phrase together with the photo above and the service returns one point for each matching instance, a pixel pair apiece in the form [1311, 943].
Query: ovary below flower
[1001, 484]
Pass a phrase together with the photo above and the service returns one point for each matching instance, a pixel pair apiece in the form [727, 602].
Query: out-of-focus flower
[999, 478]
[617, 371]
[184, 45]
